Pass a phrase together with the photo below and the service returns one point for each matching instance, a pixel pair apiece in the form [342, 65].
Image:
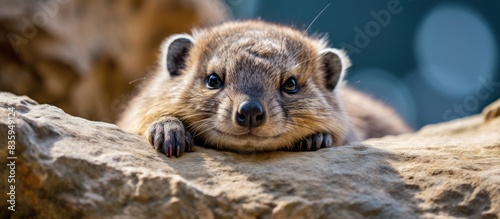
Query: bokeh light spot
[454, 46]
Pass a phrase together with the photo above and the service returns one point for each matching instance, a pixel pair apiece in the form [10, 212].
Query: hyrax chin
[253, 86]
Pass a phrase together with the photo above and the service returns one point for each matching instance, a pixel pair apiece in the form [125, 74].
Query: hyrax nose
[250, 114]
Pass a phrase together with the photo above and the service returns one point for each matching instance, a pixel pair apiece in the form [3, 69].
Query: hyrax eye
[214, 81]
[290, 86]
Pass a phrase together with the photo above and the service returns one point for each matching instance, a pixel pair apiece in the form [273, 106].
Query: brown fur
[254, 58]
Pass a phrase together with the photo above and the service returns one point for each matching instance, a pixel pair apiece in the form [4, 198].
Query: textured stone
[68, 167]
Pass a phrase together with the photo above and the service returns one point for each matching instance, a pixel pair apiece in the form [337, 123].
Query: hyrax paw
[314, 142]
[169, 137]
[492, 111]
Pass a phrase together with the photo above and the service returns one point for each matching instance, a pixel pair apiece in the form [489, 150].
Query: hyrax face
[253, 86]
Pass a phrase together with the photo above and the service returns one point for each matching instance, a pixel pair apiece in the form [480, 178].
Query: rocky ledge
[68, 167]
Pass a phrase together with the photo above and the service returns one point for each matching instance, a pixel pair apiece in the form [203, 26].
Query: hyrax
[253, 86]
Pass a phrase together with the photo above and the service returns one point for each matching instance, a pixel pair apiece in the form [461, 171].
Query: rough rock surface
[68, 167]
[80, 55]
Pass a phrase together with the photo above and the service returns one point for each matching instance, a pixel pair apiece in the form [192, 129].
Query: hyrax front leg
[170, 137]
[314, 142]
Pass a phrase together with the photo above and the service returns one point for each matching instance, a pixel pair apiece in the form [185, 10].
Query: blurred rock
[492, 111]
[69, 167]
[82, 55]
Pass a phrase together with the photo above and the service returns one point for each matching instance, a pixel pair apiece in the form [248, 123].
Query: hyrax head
[254, 86]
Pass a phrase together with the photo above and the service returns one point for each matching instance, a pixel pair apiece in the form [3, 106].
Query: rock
[492, 111]
[68, 167]
[82, 55]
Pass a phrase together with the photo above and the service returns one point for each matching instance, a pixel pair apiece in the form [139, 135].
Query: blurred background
[432, 61]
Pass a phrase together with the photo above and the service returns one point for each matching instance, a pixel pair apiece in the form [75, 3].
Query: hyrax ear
[335, 63]
[174, 51]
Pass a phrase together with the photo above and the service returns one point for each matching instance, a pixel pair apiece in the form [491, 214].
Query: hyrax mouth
[248, 135]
